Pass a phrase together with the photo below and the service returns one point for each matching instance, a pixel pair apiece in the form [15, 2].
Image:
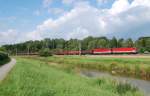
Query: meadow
[36, 76]
[131, 67]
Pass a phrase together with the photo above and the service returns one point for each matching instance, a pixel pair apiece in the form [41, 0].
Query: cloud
[141, 3]
[73, 23]
[119, 6]
[100, 2]
[123, 19]
[132, 23]
[84, 20]
[9, 36]
[74, 3]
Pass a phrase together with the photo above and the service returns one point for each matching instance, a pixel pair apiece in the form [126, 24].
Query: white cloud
[119, 6]
[84, 20]
[122, 20]
[35, 35]
[9, 36]
[100, 2]
[70, 23]
[141, 3]
[74, 3]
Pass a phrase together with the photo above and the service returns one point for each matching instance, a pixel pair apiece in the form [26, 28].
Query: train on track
[99, 51]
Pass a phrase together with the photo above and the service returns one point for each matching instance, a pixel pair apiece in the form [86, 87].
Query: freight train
[100, 51]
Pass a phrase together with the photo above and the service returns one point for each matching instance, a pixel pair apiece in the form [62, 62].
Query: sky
[23, 20]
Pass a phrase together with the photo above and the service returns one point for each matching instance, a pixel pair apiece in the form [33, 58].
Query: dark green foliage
[45, 52]
[113, 43]
[142, 50]
[143, 44]
[2, 49]
[72, 44]
[100, 81]
[121, 42]
[129, 43]
[123, 88]
[4, 58]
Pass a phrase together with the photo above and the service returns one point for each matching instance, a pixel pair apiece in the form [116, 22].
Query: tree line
[55, 45]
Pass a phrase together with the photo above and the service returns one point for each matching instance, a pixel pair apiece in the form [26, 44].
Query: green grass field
[133, 67]
[39, 77]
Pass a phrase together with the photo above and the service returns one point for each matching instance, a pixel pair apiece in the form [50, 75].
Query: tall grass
[138, 68]
[31, 77]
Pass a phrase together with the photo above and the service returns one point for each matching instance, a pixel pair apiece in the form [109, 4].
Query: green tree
[3, 49]
[129, 43]
[45, 52]
[121, 42]
[113, 43]
[85, 42]
[73, 44]
[102, 43]
[92, 44]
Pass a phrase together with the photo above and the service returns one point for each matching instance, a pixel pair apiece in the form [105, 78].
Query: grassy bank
[31, 77]
[134, 67]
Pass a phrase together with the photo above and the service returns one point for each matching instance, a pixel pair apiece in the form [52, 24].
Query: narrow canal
[142, 85]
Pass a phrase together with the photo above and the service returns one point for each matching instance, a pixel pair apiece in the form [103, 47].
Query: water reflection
[142, 85]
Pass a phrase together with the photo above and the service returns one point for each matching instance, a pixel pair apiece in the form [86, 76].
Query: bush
[123, 88]
[45, 52]
[4, 58]
[2, 49]
[142, 50]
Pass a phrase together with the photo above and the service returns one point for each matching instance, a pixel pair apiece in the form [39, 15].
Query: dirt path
[4, 70]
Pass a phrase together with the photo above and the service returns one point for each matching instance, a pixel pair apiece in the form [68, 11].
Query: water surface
[142, 85]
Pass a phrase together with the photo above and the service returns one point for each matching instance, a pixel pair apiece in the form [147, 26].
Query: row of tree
[143, 44]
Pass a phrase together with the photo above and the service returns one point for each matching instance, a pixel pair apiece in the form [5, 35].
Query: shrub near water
[45, 52]
[4, 58]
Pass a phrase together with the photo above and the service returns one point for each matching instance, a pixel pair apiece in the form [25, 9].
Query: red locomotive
[124, 50]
